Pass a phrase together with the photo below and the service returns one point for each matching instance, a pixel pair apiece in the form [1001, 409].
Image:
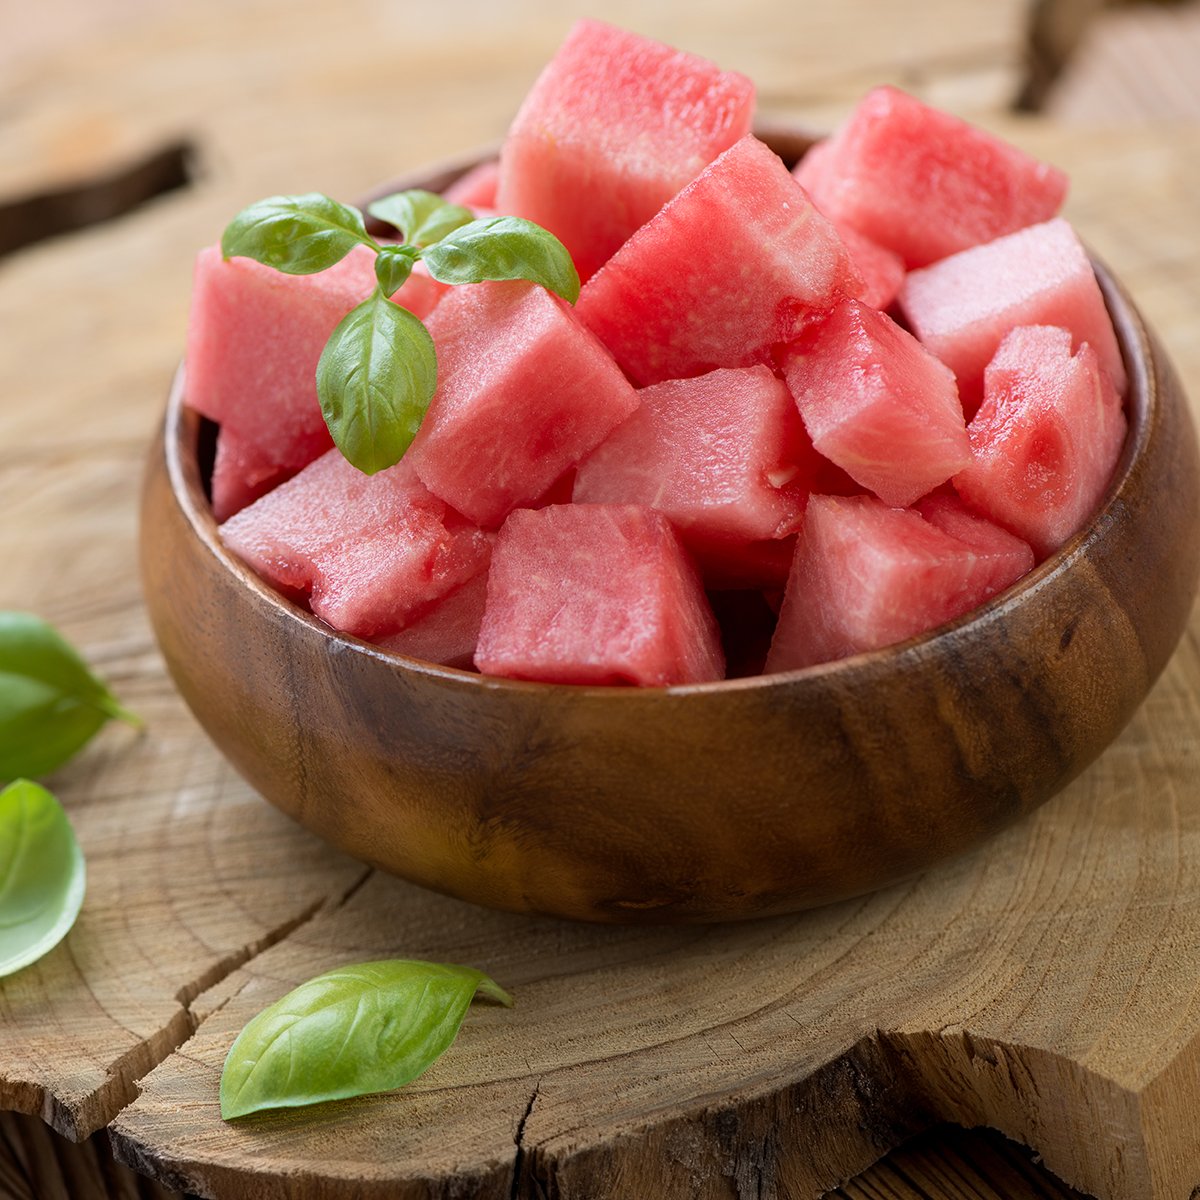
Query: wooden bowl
[701, 803]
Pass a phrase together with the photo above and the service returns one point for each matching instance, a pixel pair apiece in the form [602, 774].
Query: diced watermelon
[866, 576]
[924, 183]
[254, 338]
[723, 456]
[882, 270]
[448, 633]
[614, 126]
[729, 267]
[1045, 439]
[596, 594]
[963, 306]
[1012, 556]
[877, 403]
[811, 170]
[475, 188]
[372, 552]
[524, 392]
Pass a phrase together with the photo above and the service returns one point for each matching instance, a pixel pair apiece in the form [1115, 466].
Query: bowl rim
[1141, 403]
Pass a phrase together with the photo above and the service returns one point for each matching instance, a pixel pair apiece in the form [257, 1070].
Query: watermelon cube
[723, 456]
[371, 552]
[1046, 438]
[254, 338]
[924, 183]
[447, 633]
[475, 188]
[524, 392]
[882, 270]
[596, 594]
[963, 306]
[1011, 556]
[866, 576]
[877, 403]
[615, 125]
[731, 266]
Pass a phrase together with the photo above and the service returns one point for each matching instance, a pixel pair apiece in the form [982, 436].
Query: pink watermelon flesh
[882, 270]
[524, 392]
[596, 594]
[962, 308]
[475, 188]
[372, 552]
[254, 338]
[723, 456]
[729, 267]
[615, 125]
[1046, 438]
[449, 632]
[924, 183]
[1012, 556]
[877, 403]
[866, 576]
[810, 172]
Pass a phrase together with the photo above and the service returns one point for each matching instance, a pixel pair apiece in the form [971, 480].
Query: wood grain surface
[1045, 985]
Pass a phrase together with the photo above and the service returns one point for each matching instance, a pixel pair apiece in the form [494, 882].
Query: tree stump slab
[1047, 985]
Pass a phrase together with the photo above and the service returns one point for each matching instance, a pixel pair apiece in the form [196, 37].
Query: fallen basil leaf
[51, 705]
[42, 875]
[359, 1029]
[422, 217]
[504, 248]
[393, 266]
[375, 379]
[298, 235]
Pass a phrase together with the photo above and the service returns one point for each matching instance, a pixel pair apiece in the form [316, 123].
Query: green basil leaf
[422, 217]
[375, 379]
[393, 266]
[504, 248]
[51, 705]
[42, 875]
[298, 235]
[357, 1030]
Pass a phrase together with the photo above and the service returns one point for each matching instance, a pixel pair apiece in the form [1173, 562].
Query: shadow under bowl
[710, 802]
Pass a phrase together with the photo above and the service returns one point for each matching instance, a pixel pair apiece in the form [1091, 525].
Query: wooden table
[1046, 986]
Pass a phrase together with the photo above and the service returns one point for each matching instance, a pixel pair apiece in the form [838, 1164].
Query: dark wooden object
[718, 801]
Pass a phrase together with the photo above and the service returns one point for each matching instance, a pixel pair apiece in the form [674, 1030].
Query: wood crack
[519, 1156]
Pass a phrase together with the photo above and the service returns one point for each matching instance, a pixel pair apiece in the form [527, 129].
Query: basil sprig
[377, 374]
[353, 1031]
[42, 875]
[51, 705]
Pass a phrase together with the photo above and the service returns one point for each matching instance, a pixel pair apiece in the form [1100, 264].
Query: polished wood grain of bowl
[702, 803]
